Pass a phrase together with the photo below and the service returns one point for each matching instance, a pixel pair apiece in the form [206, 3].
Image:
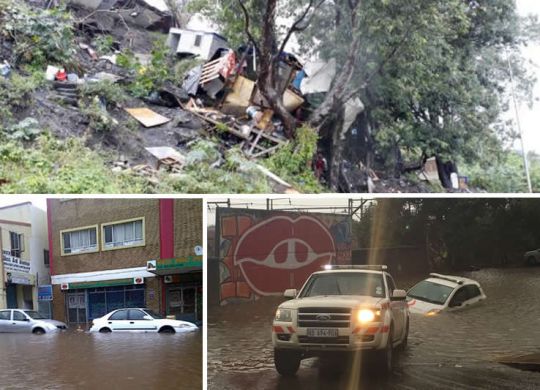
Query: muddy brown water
[455, 350]
[80, 360]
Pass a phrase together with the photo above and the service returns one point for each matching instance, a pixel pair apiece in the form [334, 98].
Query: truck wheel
[286, 362]
[386, 356]
[404, 342]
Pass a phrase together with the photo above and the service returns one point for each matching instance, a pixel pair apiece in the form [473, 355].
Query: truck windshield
[345, 283]
[430, 292]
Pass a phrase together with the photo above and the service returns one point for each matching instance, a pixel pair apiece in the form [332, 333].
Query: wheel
[286, 362]
[404, 342]
[104, 330]
[38, 331]
[386, 356]
[166, 329]
[531, 261]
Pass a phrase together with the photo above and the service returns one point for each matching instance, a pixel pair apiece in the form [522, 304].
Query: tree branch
[247, 25]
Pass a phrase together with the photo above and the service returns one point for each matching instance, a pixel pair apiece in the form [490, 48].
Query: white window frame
[79, 251]
[125, 244]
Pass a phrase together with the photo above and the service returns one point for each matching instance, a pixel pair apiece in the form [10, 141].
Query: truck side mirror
[399, 295]
[290, 293]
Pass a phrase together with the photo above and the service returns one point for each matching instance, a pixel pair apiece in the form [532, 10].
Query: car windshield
[34, 315]
[345, 283]
[153, 314]
[430, 292]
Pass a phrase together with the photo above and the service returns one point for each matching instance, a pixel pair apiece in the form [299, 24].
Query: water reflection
[451, 350]
[75, 360]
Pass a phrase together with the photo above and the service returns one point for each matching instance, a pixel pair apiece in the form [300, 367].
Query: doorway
[182, 302]
[76, 307]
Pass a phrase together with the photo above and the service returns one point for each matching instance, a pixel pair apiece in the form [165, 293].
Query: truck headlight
[367, 315]
[283, 315]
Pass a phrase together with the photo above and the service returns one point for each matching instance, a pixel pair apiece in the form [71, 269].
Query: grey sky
[530, 117]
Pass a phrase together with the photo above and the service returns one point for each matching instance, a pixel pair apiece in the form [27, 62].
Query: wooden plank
[255, 142]
[147, 117]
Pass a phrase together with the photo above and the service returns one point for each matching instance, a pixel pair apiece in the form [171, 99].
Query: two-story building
[25, 257]
[103, 253]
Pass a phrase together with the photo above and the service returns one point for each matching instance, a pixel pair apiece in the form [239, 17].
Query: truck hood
[351, 301]
[422, 307]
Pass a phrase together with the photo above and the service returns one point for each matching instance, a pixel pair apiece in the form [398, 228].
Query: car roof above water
[450, 280]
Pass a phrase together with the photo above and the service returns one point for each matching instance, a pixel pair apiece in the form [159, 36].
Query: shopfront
[88, 300]
[19, 282]
[82, 297]
[181, 280]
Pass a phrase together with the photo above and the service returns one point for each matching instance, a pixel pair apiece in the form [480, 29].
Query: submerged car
[533, 257]
[342, 310]
[27, 321]
[138, 320]
[443, 293]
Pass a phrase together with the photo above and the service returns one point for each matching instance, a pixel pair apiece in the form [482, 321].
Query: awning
[175, 266]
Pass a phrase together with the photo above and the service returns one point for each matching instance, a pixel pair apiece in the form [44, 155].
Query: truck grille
[324, 317]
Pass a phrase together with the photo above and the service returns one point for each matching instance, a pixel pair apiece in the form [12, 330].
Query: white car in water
[343, 310]
[443, 293]
[27, 321]
[138, 320]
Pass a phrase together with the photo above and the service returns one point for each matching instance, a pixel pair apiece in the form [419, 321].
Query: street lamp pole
[525, 161]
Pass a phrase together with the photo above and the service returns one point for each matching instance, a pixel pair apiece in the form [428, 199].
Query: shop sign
[176, 263]
[14, 264]
[45, 293]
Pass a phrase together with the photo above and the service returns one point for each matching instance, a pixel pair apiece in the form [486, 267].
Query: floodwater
[457, 350]
[81, 360]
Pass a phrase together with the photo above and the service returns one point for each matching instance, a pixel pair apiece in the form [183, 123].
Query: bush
[293, 162]
[39, 36]
[17, 94]
[54, 166]
[206, 172]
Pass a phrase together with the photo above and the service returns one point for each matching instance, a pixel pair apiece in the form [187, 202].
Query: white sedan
[138, 320]
[443, 293]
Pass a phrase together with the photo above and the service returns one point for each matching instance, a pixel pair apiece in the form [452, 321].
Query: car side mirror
[290, 293]
[455, 304]
[399, 295]
[147, 317]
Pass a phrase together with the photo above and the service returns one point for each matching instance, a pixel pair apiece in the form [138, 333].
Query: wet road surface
[455, 350]
[80, 360]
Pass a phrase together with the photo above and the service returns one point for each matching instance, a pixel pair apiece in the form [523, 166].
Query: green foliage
[104, 44]
[53, 166]
[25, 130]
[293, 162]
[111, 92]
[16, 93]
[206, 172]
[504, 175]
[40, 36]
[228, 15]
[98, 118]
[152, 76]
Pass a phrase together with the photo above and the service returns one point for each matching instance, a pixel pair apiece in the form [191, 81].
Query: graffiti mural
[266, 252]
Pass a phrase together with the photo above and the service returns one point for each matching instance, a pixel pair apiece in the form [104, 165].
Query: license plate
[322, 332]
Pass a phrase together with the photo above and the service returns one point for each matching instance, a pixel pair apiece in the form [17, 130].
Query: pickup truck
[341, 310]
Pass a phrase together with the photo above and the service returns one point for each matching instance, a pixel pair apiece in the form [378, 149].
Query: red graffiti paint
[281, 252]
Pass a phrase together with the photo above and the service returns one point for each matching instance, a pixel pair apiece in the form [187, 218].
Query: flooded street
[450, 351]
[80, 360]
